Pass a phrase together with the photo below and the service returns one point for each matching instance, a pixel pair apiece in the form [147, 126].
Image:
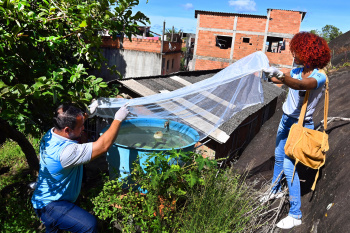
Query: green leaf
[2, 84]
[83, 24]
[103, 85]
[88, 96]
[47, 93]
[99, 80]
[20, 100]
[73, 78]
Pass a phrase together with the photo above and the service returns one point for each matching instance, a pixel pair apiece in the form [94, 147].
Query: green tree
[47, 49]
[315, 31]
[328, 32]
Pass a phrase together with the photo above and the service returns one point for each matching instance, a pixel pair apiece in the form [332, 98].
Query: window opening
[223, 42]
[246, 40]
[275, 44]
[172, 64]
[167, 65]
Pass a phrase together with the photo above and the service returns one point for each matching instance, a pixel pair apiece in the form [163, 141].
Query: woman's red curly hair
[312, 50]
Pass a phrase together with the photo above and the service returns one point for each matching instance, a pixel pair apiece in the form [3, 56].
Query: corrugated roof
[196, 12]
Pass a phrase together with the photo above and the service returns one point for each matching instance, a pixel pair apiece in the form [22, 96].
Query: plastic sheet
[204, 105]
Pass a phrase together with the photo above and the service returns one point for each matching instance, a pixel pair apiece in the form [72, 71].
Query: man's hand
[273, 72]
[121, 114]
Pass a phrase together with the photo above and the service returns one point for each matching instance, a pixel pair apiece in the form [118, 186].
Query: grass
[18, 214]
[13, 161]
[224, 204]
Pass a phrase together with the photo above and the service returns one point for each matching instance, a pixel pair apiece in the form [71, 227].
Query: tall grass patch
[225, 203]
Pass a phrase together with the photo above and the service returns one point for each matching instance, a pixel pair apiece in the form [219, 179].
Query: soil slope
[340, 48]
[333, 186]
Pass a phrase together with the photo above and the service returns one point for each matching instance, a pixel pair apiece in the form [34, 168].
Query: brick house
[140, 57]
[223, 38]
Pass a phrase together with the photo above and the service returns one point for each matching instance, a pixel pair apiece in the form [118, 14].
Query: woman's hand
[273, 72]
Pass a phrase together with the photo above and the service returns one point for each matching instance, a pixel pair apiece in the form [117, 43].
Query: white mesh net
[204, 105]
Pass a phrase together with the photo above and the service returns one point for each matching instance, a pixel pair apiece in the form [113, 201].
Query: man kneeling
[61, 170]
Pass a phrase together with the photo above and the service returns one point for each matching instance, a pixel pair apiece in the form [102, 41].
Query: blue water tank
[120, 158]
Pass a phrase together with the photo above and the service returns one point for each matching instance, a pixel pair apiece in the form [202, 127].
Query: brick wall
[280, 58]
[174, 63]
[206, 45]
[244, 49]
[284, 21]
[171, 46]
[283, 58]
[251, 24]
[214, 21]
[202, 64]
[108, 42]
[145, 45]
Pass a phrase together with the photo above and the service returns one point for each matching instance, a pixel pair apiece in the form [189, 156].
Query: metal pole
[161, 49]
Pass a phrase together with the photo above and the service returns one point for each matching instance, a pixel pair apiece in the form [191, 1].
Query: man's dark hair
[66, 116]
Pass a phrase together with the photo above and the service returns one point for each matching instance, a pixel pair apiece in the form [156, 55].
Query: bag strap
[303, 108]
[326, 104]
[315, 181]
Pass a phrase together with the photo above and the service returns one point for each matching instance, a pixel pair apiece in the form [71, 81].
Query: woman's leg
[282, 135]
[294, 187]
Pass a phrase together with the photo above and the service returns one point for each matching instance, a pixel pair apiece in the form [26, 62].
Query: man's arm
[105, 141]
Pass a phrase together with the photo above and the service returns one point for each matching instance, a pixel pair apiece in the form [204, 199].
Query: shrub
[179, 192]
[151, 198]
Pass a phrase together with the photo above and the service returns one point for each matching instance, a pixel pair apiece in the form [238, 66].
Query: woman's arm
[279, 77]
[303, 84]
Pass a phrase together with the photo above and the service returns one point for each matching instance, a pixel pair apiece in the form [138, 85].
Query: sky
[180, 13]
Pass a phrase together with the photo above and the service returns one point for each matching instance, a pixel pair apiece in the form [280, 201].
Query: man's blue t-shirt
[61, 169]
[295, 98]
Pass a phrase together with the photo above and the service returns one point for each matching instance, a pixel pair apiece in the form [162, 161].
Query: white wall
[130, 63]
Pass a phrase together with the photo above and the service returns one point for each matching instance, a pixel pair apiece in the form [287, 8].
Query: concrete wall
[130, 63]
[256, 29]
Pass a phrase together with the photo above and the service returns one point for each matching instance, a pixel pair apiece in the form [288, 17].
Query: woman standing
[312, 53]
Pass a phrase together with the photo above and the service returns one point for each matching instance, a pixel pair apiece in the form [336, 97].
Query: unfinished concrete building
[223, 38]
[140, 57]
